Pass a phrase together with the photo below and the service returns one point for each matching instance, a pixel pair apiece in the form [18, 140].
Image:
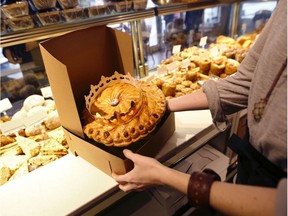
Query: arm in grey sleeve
[229, 95]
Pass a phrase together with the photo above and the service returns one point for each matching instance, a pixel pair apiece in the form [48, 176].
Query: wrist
[199, 187]
[174, 179]
[163, 174]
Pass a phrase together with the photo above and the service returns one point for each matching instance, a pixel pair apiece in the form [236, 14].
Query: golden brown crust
[5, 140]
[231, 66]
[205, 65]
[218, 65]
[192, 75]
[169, 89]
[126, 114]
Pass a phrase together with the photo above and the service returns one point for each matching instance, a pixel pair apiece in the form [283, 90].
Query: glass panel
[254, 15]
[185, 29]
[190, 26]
[22, 73]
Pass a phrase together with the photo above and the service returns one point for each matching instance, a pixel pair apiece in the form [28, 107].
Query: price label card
[176, 49]
[47, 92]
[162, 70]
[204, 55]
[185, 63]
[223, 47]
[11, 127]
[5, 104]
[200, 82]
[214, 51]
[172, 66]
[36, 118]
[203, 41]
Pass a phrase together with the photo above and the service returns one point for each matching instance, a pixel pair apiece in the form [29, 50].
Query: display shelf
[45, 32]
[195, 5]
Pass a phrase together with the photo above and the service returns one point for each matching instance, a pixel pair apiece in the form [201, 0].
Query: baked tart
[218, 65]
[124, 110]
[231, 66]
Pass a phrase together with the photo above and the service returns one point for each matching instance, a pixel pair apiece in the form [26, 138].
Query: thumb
[129, 154]
[119, 178]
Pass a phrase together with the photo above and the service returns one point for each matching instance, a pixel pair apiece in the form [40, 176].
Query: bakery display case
[156, 58]
[146, 27]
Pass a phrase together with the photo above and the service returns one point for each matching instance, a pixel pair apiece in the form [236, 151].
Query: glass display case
[23, 73]
[149, 24]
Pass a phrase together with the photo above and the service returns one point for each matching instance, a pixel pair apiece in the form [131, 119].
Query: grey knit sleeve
[229, 95]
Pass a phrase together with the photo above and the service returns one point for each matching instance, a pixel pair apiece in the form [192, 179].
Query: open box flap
[105, 161]
[125, 50]
[73, 63]
[62, 93]
[76, 60]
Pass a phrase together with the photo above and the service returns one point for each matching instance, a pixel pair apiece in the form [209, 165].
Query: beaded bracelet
[199, 187]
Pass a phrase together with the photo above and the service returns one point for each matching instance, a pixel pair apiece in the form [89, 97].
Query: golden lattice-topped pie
[124, 111]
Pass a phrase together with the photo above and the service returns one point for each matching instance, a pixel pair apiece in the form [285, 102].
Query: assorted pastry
[20, 8]
[65, 4]
[33, 146]
[196, 64]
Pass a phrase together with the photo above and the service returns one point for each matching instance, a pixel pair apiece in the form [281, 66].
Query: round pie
[124, 113]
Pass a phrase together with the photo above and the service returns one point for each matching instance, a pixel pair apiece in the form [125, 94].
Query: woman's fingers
[121, 179]
[131, 187]
[126, 187]
[140, 176]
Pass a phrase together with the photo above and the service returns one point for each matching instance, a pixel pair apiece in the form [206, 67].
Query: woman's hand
[146, 172]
